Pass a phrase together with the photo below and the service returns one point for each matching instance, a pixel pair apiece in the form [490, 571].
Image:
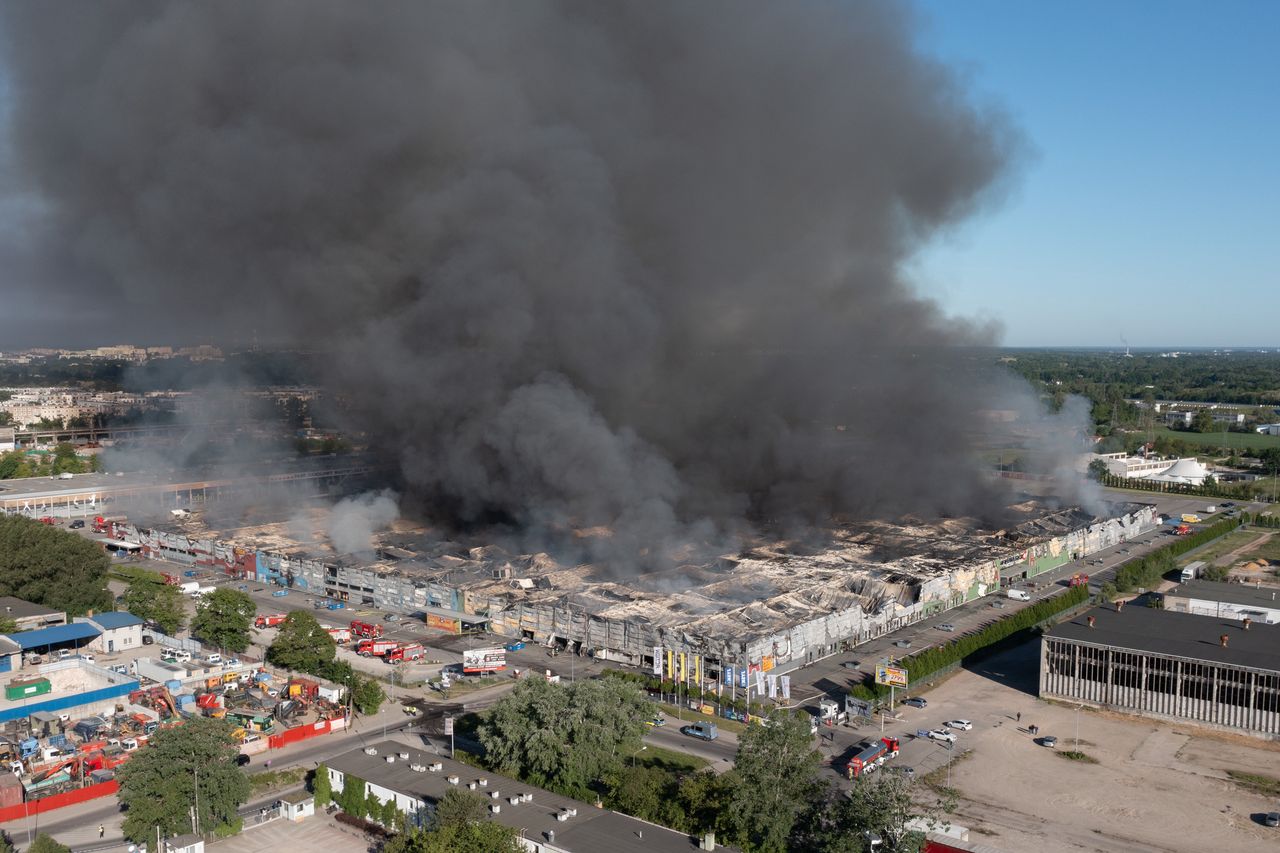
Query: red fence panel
[57, 801]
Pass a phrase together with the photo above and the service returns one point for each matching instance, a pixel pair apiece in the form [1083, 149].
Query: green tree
[6, 843]
[352, 798]
[1203, 422]
[567, 738]
[367, 695]
[46, 844]
[390, 813]
[460, 825]
[778, 767]
[1097, 469]
[8, 625]
[321, 787]
[156, 601]
[705, 800]
[302, 644]
[838, 821]
[51, 566]
[223, 618]
[159, 784]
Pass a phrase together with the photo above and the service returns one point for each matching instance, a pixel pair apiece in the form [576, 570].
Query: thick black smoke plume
[632, 265]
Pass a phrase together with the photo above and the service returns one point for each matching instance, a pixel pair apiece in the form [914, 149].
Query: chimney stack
[1092, 619]
[1223, 640]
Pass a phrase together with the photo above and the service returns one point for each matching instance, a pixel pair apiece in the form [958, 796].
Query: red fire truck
[410, 652]
[375, 648]
[269, 621]
[366, 630]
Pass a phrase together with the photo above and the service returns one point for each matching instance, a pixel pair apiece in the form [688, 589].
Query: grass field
[668, 760]
[1218, 440]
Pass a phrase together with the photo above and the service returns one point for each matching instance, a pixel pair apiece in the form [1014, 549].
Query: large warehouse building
[777, 604]
[1217, 672]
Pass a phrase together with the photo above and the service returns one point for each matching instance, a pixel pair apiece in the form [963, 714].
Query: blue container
[173, 686]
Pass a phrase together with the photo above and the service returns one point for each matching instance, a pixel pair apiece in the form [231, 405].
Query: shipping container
[24, 688]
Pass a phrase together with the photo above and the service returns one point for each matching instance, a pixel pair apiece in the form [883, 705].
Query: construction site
[774, 603]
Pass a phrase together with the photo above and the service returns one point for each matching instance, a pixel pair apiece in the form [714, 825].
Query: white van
[214, 658]
[1019, 595]
[182, 655]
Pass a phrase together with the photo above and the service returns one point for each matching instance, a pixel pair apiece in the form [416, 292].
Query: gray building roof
[1147, 629]
[20, 608]
[1267, 598]
[591, 830]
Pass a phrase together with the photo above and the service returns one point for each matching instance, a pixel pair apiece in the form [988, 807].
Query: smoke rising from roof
[630, 265]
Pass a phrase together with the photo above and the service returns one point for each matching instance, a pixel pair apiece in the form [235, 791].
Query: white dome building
[1188, 471]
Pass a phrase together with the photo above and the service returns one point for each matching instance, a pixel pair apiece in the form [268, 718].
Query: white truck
[190, 588]
[1019, 595]
[1191, 571]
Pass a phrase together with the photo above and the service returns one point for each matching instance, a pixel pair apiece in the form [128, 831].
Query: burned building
[777, 603]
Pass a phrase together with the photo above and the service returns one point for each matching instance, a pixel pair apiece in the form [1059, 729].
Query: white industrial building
[1225, 600]
[120, 631]
[547, 822]
[1161, 469]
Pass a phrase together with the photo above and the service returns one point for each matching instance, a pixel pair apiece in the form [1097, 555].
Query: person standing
[102, 829]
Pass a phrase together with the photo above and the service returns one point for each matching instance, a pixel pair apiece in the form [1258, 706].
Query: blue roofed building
[50, 641]
[117, 631]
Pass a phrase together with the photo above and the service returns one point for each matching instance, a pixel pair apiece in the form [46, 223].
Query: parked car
[902, 644]
[391, 617]
[947, 626]
[998, 605]
[1272, 819]
[87, 657]
[959, 725]
[943, 735]
[280, 593]
[656, 721]
[336, 605]
[515, 647]
[243, 587]
[916, 702]
[851, 664]
[214, 658]
[1049, 741]
[77, 524]
[909, 772]
[182, 655]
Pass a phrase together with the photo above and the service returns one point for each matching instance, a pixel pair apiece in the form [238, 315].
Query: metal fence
[189, 645]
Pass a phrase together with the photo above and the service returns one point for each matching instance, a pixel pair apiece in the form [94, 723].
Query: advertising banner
[786, 686]
[448, 725]
[657, 661]
[760, 682]
[727, 673]
[681, 672]
[484, 660]
[671, 665]
[697, 670]
[773, 686]
[766, 663]
[891, 675]
[743, 675]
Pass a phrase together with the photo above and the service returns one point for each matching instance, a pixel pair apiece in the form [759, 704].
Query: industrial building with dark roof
[417, 780]
[1226, 600]
[1218, 672]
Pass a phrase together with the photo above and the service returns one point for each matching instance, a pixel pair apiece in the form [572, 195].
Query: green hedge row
[925, 663]
[1146, 572]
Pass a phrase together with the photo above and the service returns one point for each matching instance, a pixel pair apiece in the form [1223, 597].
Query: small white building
[1219, 600]
[121, 631]
[1159, 468]
[184, 844]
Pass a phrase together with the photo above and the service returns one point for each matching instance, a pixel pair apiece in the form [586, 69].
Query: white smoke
[353, 521]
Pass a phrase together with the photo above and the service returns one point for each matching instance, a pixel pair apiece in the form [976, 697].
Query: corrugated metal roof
[117, 619]
[56, 635]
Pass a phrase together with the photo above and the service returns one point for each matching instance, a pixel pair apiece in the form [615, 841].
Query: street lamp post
[1078, 727]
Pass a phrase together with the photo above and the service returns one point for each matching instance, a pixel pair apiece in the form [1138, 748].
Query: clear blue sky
[1149, 204]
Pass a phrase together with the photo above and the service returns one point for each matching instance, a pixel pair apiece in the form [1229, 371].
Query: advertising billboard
[484, 660]
[891, 675]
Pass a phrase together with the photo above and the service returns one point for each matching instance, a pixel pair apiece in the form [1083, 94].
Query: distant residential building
[7, 440]
[28, 615]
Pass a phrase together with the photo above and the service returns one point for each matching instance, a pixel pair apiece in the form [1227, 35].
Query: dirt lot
[1156, 787]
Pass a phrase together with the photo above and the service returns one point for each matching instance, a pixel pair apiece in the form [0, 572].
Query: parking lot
[1155, 786]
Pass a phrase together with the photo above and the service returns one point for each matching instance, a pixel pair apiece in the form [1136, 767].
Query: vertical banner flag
[727, 673]
[786, 686]
[760, 682]
[773, 686]
[657, 661]
[697, 670]
[680, 667]
[671, 669]
[742, 677]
